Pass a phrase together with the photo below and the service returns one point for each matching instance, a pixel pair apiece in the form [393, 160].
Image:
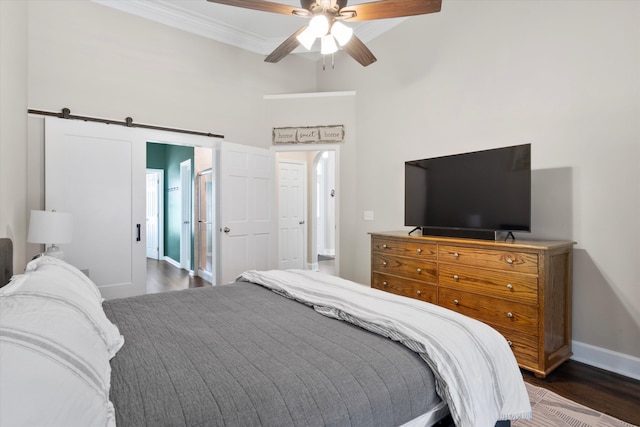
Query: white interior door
[204, 233]
[93, 171]
[246, 222]
[292, 197]
[154, 197]
[186, 233]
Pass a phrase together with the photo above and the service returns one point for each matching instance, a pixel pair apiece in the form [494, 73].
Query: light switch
[368, 215]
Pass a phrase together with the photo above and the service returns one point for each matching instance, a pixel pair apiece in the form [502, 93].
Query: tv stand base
[468, 234]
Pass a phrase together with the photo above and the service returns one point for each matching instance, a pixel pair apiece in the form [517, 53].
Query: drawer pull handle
[510, 343]
[384, 246]
[419, 270]
[419, 250]
[455, 277]
[384, 263]
[455, 301]
[509, 286]
[456, 255]
[419, 292]
[509, 261]
[384, 284]
[509, 315]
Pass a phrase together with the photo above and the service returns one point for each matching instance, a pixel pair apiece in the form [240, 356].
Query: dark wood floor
[595, 388]
[163, 277]
[604, 391]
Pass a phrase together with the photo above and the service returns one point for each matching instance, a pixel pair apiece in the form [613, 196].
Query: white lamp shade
[306, 38]
[341, 32]
[49, 227]
[328, 45]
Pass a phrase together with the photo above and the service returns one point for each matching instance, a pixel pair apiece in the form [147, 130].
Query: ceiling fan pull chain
[333, 62]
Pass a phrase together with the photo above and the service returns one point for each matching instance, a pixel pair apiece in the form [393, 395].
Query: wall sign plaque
[308, 135]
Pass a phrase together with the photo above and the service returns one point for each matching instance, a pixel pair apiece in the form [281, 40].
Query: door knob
[226, 229]
[301, 222]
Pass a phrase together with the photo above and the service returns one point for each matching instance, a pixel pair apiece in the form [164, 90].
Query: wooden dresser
[521, 288]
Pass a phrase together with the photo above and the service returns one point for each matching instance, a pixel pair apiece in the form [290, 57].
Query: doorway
[324, 169]
[320, 249]
[179, 167]
[204, 225]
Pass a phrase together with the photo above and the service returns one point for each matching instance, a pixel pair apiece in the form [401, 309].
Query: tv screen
[487, 190]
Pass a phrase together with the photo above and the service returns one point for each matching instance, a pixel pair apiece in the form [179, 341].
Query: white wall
[13, 127]
[101, 62]
[563, 75]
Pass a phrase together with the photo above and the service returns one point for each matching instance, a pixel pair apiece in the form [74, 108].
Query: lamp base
[54, 251]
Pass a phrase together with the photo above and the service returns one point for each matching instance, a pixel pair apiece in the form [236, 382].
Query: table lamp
[50, 228]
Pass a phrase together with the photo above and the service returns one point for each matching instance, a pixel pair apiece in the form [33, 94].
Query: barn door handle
[138, 235]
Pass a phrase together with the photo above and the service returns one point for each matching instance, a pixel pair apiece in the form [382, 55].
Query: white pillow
[44, 383]
[55, 347]
[43, 261]
[62, 283]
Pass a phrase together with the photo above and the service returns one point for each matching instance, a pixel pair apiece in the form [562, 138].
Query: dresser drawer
[525, 347]
[405, 287]
[521, 262]
[512, 286]
[411, 268]
[415, 249]
[493, 311]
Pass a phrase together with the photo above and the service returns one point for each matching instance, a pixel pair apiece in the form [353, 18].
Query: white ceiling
[255, 31]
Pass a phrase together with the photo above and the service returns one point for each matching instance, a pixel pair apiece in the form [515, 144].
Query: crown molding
[171, 14]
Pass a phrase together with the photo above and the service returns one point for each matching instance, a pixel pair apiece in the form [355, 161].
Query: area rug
[552, 410]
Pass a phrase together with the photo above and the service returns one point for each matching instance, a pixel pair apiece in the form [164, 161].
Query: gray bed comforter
[241, 355]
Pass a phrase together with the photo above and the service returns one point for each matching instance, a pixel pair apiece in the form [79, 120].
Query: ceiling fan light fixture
[319, 24]
[328, 45]
[341, 33]
[306, 38]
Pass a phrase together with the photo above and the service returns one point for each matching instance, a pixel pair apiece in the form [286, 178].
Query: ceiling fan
[325, 22]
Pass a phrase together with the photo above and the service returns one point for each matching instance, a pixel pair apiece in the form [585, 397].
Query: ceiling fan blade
[389, 9]
[286, 47]
[358, 51]
[265, 6]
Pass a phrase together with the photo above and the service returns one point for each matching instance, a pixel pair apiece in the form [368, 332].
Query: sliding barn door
[246, 225]
[96, 172]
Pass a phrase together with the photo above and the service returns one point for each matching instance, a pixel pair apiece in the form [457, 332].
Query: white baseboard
[171, 261]
[312, 266]
[206, 275]
[620, 363]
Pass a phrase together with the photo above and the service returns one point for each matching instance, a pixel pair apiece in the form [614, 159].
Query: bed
[273, 349]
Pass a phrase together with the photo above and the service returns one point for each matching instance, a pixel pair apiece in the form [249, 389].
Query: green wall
[168, 158]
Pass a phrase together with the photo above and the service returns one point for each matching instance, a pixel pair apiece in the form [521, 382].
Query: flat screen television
[471, 194]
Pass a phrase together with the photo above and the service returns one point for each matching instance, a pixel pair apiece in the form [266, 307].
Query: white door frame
[321, 147]
[160, 233]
